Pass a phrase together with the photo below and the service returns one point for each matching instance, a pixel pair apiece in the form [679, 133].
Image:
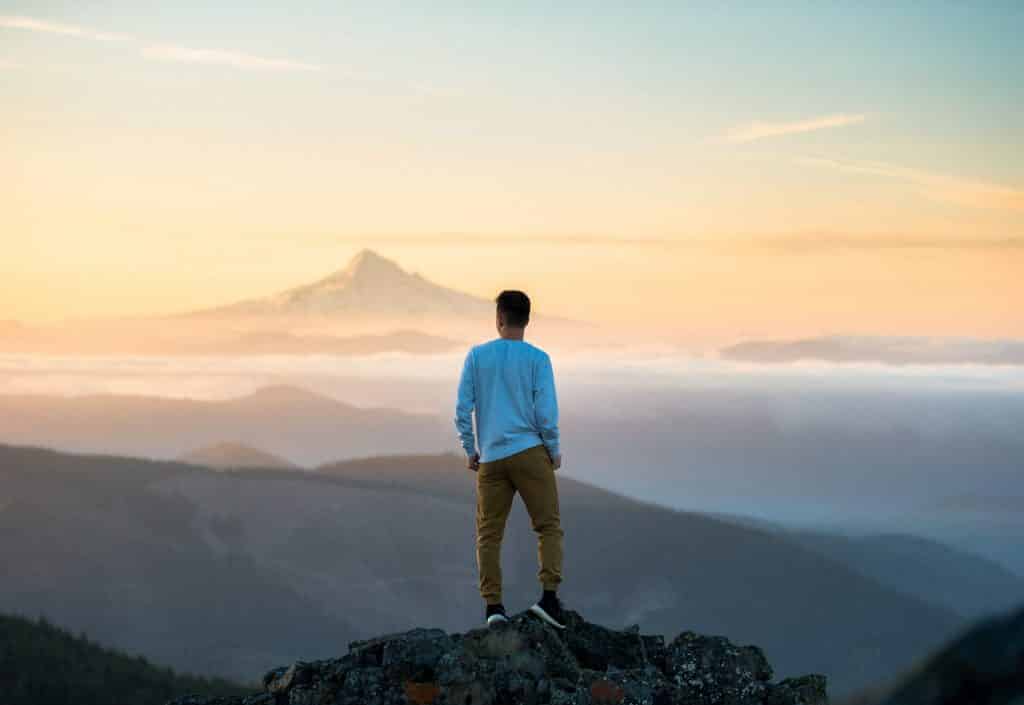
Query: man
[511, 387]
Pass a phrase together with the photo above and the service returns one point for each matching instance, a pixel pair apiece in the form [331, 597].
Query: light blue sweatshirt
[511, 386]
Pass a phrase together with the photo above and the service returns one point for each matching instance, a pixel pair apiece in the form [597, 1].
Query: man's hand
[556, 460]
[473, 462]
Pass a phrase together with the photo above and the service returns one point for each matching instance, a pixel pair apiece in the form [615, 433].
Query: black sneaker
[549, 608]
[495, 615]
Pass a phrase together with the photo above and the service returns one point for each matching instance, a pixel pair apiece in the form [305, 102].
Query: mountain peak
[367, 256]
[368, 264]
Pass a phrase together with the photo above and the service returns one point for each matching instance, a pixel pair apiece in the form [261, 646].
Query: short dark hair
[515, 305]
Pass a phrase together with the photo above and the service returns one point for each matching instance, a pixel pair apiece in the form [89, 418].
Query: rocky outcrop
[527, 662]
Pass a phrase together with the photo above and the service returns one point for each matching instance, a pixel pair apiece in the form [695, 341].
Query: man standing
[511, 387]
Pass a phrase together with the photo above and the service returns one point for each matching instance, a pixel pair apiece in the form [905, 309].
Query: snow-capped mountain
[370, 306]
[370, 285]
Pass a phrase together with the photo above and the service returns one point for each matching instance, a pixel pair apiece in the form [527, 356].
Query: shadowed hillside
[983, 666]
[195, 568]
[41, 664]
[88, 542]
[956, 580]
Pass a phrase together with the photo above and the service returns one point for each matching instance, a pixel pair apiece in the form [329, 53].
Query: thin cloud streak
[34, 25]
[499, 240]
[764, 130]
[810, 244]
[936, 186]
[796, 243]
[224, 57]
[160, 52]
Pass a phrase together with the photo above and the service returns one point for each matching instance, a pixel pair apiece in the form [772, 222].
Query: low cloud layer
[886, 350]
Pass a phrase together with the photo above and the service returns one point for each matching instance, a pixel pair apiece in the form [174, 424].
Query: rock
[281, 680]
[527, 662]
[258, 699]
[711, 669]
[599, 648]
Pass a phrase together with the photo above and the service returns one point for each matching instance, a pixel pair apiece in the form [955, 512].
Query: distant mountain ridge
[228, 455]
[950, 578]
[287, 421]
[259, 340]
[9, 326]
[263, 342]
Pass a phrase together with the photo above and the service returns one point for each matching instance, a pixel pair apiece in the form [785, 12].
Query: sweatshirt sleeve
[545, 402]
[464, 406]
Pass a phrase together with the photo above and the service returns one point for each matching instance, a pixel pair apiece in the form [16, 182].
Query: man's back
[511, 387]
[510, 384]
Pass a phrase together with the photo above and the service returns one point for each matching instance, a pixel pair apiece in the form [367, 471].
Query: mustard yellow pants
[530, 473]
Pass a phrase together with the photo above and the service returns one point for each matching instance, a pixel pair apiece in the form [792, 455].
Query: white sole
[496, 619]
[539, 611]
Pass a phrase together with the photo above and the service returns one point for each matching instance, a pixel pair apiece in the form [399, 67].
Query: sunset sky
[794, 169]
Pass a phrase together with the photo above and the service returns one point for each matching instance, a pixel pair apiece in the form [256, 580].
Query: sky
[724, 171]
